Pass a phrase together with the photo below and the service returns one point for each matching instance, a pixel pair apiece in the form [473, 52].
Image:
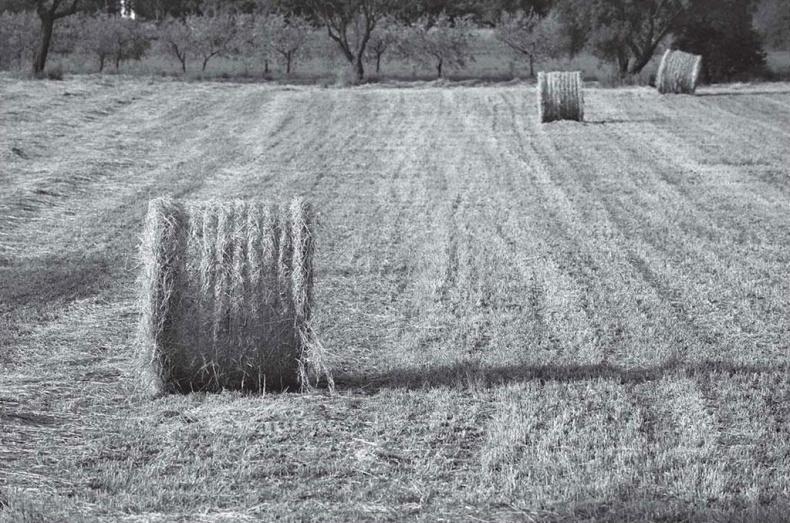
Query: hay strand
[560, 96]
[227, 296]
[678, 72]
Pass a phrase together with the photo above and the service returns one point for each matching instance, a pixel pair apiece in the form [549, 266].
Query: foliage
[211, 34]
[439, 41]
[773, 21]
[349, 23]
[531, 35]
[384, 38]
[721, 31]
[175, 39]
[485, 12]
[18, 38]
[624, 32]
[114, 38]
[287, 38]
[50, 11]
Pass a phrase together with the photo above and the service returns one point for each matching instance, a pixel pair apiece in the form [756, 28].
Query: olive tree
[530, 35]
[18, 38]
[110, 37]
[287, 37]
[439, 42]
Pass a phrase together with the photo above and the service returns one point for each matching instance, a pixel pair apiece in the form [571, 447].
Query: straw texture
[560, 96]
[678, 73]
[226, 297]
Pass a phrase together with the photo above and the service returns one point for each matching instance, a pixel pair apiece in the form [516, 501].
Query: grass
[570, 322]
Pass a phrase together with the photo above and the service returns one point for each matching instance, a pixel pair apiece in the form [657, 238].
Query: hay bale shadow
[465, 375]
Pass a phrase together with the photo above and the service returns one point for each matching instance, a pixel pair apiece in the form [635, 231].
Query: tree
[175, 39]
[98, 37]
[349, 23]
[484, 12]
[18, 38]
[531, 35]
[440, 42]
[211, 34]
[287, 37]
[772, 19]
[626, 32]
[162, 10]
[384, 37]
[49, 11]
[113, 37]
[722, 32]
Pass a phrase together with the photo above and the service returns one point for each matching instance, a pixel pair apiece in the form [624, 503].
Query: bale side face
[560, 96]
[227, 291]
[678, 73]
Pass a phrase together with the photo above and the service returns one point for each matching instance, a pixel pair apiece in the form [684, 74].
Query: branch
[68, 12]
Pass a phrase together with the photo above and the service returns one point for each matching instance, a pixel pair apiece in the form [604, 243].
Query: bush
[18, 38]
[55, 73]
[721, 31]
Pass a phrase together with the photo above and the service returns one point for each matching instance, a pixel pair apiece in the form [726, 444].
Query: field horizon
[563, 322]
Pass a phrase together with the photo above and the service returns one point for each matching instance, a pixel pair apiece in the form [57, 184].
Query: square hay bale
[678, 72]
[226, 295]
[560, 96]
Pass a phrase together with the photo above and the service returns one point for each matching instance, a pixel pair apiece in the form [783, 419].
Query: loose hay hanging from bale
[226, 297]
[560, 96]
[678, 72]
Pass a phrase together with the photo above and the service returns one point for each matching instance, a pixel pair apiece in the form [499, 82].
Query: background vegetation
[356, 40]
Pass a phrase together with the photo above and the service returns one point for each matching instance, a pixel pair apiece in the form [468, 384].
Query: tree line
[625, 33]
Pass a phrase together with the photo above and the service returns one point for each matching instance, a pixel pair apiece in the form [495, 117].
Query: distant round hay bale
[226, 297]
[678, 72]
[560, 96]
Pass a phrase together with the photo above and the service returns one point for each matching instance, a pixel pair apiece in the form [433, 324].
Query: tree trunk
[641, 62]
[531, 66]
[622, 64]
[359, 69]
[101, 64]
[117, 63]
[266, 66]
[205, 63]
[183, 64]
[40, 61]
[439, 68]
[288, 64]
[378, 63]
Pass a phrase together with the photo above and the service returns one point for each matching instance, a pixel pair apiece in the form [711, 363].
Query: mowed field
[560, 322]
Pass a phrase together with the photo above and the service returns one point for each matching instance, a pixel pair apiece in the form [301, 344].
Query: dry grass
[678, 72]
[226, 297]
[560, 96]
[525, 322]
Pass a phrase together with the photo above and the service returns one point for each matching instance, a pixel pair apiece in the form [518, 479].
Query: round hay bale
[560, 96]
[678, 72]
[226, 293]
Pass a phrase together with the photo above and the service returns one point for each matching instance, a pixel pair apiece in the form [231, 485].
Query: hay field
[560, 322]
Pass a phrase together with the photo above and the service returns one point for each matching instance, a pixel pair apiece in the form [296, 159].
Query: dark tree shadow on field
[613, 121]
[472, 374]
[743, 93]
